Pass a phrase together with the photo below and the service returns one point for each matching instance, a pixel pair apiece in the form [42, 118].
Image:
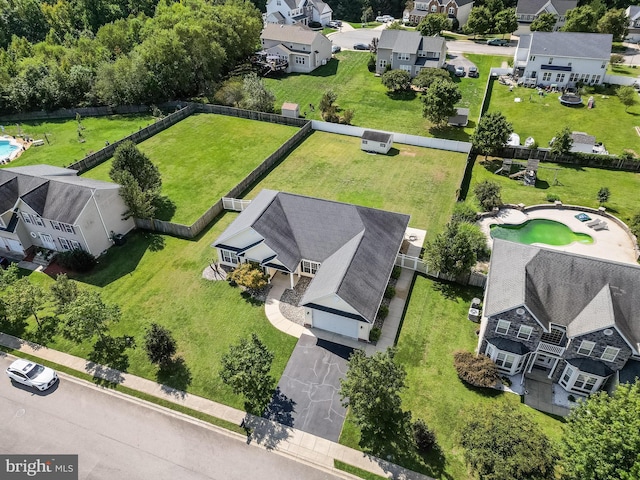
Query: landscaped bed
[204, 156]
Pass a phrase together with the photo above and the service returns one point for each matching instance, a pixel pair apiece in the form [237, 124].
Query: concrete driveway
[308, 395]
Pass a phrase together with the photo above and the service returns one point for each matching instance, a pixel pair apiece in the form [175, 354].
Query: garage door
[335, 323]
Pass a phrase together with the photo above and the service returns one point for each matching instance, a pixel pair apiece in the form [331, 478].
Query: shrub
[463, 212]
[77, 260]
[397, 271]
[383, 311]
[371, 64]
[423, 437]
[476, 370]
[552, 197]
[374, 334]
[249, 275]
[390, 292]
[488, 194]
[571, 398]
[159, 344]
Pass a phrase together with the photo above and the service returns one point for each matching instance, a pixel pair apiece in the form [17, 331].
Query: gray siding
[516, 321]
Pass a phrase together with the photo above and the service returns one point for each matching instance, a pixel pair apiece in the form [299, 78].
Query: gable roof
[582, 293]
[633, 12]
[356, 246]
[571, 44]
[376, 136]
[532, 7]
[405, 41]
[289, 33]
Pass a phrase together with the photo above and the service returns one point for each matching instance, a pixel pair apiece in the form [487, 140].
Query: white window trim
[614, 349]
[521, 332]
[229, 257]
[500, 321]
[64, 243]
[593, 344]
[404, 56]
[309, 267]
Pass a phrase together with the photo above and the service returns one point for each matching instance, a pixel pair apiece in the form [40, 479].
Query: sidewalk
[267, 434]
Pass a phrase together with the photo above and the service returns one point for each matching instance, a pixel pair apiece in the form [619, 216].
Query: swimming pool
[539, 230]
[6, 149]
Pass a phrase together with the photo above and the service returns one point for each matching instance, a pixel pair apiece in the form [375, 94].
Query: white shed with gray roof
[378, 142]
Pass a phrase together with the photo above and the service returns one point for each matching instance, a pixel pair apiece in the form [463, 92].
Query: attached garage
[338, 324]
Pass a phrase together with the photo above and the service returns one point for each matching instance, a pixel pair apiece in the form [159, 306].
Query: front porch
[544, 395]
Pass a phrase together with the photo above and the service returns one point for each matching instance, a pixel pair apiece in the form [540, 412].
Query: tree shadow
[156, 242]
[542, 184]
[45, 331]
[15, 328]
[280, 409]
[165, 208]
[483, 392]
[108, 359]
[175, 377]
[454, 291]
[251, 300]
[265, 432]
[406, 95]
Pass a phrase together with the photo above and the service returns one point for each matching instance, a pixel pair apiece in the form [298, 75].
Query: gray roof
[289, 33]
[581, 137]
[571, 44]
[633, 11]
[52, 192]
[375, 136]
[460, 118]
[582, 293]
[531, 7]
[508, 345]
[630, 372]
[590, 365]
[357, 246]
[404, 41]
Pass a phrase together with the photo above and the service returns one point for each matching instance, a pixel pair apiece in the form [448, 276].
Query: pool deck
[611, 244]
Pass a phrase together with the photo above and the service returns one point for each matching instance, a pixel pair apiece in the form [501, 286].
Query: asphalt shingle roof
[375, 136]
[289, 33]
[572, 44]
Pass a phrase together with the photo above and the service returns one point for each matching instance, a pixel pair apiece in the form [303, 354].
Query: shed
[290, 110]
[379, 142]
[461, 118]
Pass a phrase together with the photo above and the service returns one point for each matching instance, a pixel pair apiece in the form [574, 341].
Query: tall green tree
[616, 23]
[25, 299]
[396, 80]
[603, 195]
[581, 19]
[89, 316]
[159, 345]
[627, 96]
[506, 21]
[545, 22]
[488, 194]
[64, 292]
[456, 249]
[433, 24]
[128, 158]
[438, 103]
[256, 95]
[479, 21]
[492, 133]
[427, 76]
[602, 436]
[140, 204]
[562, 142]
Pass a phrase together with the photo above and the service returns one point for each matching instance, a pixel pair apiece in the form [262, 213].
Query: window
[55, 225]
[573, 77]
[434, 9]
[383, 63]
[584, 77]
[503, 327]
[67, 228]
[568, 373]
[595, 79]
[300, 60]
[534, 74]
[27, 218]
[585, 382]
[532, 58]
[550, 60]
[229, 257]
[307, 266]
[403, 56]
[38, 220]
[490, 350]
[586, 347]
[560, 77]
[64, 243]
[604, 64]
[406, 68]
[452, 11]
[505, 360]
[382, 145]
[610, 354]
[75, 245]
[546, 77]
[525, 332]
[365, 142]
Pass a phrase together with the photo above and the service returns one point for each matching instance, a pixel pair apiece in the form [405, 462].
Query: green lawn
[64, 148]
[543, 117]
[434, 327]
[576, 186]
[204, 156]
[417, 181]
[623, 70]
[359, 90]
[358, 25]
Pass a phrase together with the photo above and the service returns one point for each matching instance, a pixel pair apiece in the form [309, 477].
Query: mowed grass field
[63, 147]
[543, 117]
[204, 156]
[360, 90]
[417, 181]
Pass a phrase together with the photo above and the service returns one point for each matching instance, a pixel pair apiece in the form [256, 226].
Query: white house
[379, 142]
[529, 10]
[289, 12]
[633, 14]
[562, 58]
[409, 51]
[53, 208]
[458, 9]
[348, 251]
[303, 49]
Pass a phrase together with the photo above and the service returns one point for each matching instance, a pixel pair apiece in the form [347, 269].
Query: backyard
[412, 180]
[62, 146]
[542, 117]
[204, 156]
[359, 90]
[434, 327]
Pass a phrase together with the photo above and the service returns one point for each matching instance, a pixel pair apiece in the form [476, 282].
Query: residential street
[116, 437]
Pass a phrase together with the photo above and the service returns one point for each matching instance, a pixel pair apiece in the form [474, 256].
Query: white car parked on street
[32, 374]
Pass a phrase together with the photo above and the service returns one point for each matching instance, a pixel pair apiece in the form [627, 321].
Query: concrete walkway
[415, 238]
[265, 433]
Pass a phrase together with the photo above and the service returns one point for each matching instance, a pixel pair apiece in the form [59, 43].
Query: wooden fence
[235, 204]
[474, 279]
[250, 114]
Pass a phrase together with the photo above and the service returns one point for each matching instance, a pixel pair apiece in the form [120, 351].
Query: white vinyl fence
[414, 263]
[235, 204]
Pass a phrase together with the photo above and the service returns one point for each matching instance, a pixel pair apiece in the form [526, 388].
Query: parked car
[473, 72]
[335, 48]
[334, 24]
[501, 42]
[32, 374]
[388, 18]
[380, 19]
[361, 46]
[459, 71]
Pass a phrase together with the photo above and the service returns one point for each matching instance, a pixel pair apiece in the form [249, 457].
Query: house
[289, 12]
[633, 14]
[379, 142]
[562, 58]
[528, 10]
[348, 251]
[291, 110]
[303, 49]
[573, 317]
[53, 208]
[460, 119]
[409, 51]
[458, 9]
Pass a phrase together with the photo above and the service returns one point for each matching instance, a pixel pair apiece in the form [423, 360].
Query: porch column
[291, 279]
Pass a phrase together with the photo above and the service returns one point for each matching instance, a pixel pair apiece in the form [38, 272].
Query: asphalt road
[119, 438]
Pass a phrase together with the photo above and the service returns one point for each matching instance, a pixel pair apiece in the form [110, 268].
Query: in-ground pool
[6, 148]
[539, 230]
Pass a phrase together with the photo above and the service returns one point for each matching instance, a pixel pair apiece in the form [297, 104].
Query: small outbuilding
[379, 142]
[460, 119]
[290, 110]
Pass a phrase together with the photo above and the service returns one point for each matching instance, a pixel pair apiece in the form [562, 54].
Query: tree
[249, 275]
[427, 76]
[88, 316]
[581, 19]
[64, 292]
[127, 158]
[602, 436]
[506, 21]
[24, 299]
[328, 109]
[438, 103]
[367, 13]
[464, 212]
[562, 143]
[616, 23]
[492, 133]
[245, 368]
[616, 59]
[479, 21]
[371, 389]
[396, 80]
[256, 95]
[476, 370]
[504, 443]
[159, 344]
[433, 24]
[456, 249]
[8, 276]
[545, 22]
[603, 195]
[230, 93]
[627, 96]
[140, 204]
[488, 194]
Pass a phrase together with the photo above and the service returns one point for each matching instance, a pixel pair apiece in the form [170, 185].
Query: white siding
[335, 323]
